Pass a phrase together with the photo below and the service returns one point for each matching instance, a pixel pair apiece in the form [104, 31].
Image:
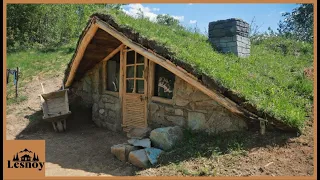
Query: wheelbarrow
[55, 108]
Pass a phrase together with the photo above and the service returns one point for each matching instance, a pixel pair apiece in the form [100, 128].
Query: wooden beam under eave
[113, 53]
[80, 52]
[231, 106]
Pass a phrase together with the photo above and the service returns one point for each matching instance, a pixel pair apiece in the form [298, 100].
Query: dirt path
[84, 150]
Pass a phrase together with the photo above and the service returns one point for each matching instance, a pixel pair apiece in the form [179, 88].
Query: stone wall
[230, 35]
[190, 109]
[106, 109]
[194, 110]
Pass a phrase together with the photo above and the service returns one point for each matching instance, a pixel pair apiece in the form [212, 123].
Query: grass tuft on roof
[271, 79]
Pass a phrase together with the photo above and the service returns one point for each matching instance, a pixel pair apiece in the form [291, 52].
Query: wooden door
[135, 91]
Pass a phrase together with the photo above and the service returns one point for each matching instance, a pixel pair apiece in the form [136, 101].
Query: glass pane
[140, 58]
[140, 69]
[140, 86]
[130, 71]
[130, 84]
[130, 57]
[113, 68]
[164, 82]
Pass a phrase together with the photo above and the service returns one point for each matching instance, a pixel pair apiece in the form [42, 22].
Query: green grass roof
[271, 79]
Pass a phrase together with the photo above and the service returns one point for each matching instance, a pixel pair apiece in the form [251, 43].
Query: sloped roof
[192, 52]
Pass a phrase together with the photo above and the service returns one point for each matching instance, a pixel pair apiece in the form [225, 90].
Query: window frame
[105, 76]
[151, 85]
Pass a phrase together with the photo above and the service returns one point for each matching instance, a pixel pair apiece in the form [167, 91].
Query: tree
[166, 19]
[298, 24]
[47, 25]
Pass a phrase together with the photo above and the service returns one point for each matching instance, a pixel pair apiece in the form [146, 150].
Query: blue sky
[266, 15]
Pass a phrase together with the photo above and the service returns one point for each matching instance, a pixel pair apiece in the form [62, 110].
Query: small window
[113, 69]
[164, 82]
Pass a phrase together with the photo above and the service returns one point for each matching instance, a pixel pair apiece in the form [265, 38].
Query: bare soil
[84, 149]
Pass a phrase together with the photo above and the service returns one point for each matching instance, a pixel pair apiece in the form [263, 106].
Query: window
[113, 69]
[164, 82]
[135, 73]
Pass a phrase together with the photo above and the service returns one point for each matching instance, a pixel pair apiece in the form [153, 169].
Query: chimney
[230, 35]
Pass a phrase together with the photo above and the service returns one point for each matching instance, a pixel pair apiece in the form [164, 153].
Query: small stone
[169, 109]
[153, 154]
[177, 120]
[181, 102]
[196, 121]
[121, 151]
[139, 133]
[101, 105]
[140, 142]
[101, 111]
[139, 158]
[178, 112]
[112, 114]
[199, 96]
[153, 108]
[95, 107]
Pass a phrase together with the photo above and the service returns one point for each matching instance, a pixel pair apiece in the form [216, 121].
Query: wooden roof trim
[81, 49]
[225, 102]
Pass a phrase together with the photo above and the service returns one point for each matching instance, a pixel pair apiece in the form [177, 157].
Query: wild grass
[36, 63]
[271, 79]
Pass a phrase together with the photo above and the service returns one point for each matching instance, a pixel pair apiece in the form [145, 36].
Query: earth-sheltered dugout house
[130, 81]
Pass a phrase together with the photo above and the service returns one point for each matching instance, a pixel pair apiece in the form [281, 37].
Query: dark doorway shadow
[82, 147]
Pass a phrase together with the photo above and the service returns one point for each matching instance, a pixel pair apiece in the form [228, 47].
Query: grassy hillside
[35, 62]
[271, 78]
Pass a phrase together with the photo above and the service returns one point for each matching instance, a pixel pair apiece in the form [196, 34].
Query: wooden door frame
[123, 71]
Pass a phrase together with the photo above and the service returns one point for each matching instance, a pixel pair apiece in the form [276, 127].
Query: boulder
[121, 151]
[139, 133]
[166, 138]
[139, 158]
[140, 142]
[153, 154]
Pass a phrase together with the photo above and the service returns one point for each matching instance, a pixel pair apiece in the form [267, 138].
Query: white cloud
[155, 9]
[193, 21]
[134, 11]
[180, 18]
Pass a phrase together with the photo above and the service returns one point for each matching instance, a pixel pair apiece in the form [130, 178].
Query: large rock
[140, 142]
[153, 154]
[139, 133]
[139, 158]
[121, 151]
[166, 138]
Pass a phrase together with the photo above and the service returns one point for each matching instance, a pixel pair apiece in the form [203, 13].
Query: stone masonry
[193, 110]
[230, 35]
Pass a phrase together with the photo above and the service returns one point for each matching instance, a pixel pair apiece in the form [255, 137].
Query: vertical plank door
[135, 91]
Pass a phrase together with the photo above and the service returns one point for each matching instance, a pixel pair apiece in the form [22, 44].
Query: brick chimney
[230, 35]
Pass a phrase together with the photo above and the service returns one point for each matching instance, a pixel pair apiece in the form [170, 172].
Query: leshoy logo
[25, 159]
